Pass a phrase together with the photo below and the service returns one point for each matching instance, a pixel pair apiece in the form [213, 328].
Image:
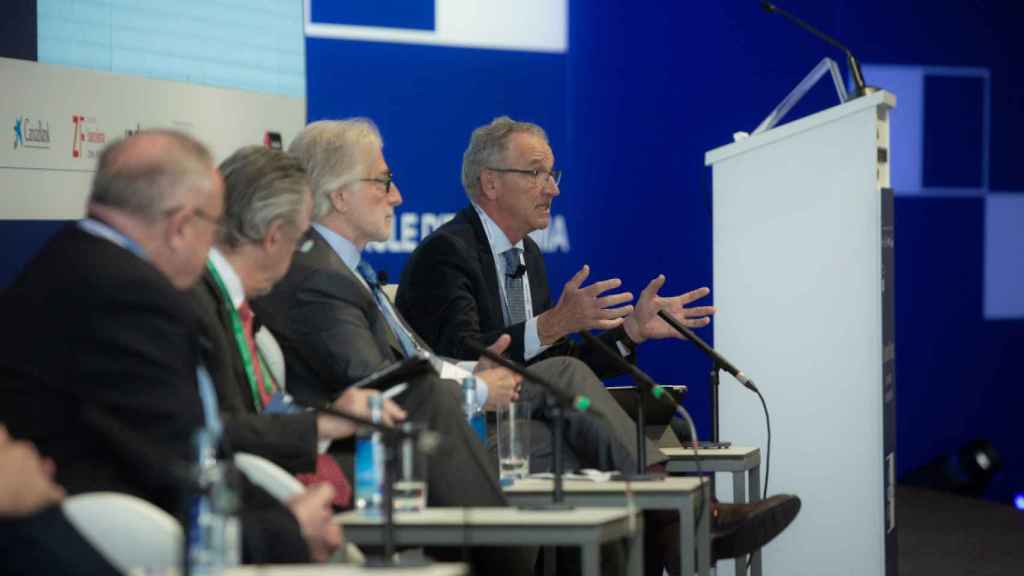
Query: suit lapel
[495, 315]
[321, 255]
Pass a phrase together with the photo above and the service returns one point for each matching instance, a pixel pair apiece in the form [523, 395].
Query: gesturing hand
[644, 322]
[502, 384]
[583, 308]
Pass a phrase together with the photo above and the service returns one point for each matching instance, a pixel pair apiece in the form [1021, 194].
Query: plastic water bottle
[370, 463]
[215, 537]
[474, 412]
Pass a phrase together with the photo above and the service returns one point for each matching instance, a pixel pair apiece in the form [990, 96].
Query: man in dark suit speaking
[481, 275]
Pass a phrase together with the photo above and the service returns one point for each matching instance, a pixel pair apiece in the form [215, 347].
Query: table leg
[704, 536]
[739, 496]
[591, 558]
[687, 537]
[635, 548]
[754, 480]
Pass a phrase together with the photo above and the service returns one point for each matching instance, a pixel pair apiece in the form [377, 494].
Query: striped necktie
[514, 286]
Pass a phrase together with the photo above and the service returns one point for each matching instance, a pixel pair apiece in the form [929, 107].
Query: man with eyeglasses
[336, 326]
[480, 275]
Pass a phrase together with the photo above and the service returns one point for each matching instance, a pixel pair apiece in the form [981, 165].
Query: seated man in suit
[105, 373]
[480, 275]
[335, 327]
[267, 206]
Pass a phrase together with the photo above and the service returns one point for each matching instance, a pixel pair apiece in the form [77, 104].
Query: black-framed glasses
[386, 180]
[535, 173]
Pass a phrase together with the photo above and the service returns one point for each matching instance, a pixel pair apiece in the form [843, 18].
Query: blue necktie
[405, 340]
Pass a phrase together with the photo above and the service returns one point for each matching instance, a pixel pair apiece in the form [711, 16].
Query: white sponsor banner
[521, 25]
[57, 119]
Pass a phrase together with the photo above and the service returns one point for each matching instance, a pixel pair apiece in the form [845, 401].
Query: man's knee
[568, 371]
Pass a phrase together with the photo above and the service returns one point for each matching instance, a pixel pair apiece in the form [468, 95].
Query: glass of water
[513, 440]
[410, 488]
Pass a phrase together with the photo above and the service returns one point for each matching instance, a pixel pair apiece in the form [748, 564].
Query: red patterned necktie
[245, 313]
[327, 469]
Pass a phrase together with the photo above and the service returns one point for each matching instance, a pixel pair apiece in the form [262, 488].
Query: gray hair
[487, 147]
[144, 176]
[332, 151]
[261, 186]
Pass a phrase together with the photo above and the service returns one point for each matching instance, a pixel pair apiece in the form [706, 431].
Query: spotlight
[1018, 501]
[967, 471]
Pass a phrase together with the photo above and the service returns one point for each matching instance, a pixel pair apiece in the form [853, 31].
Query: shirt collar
[495, 236]
[229, 277]
[103, 230]
[342, 246]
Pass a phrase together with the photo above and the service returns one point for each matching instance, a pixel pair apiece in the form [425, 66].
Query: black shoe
[740, 529]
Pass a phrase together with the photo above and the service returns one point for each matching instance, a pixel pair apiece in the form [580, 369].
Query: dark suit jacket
[100, 373]
[286, 439]
[449, 294]
[327, 323]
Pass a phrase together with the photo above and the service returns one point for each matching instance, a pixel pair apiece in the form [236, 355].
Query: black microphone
[858, 77]
[580, 403]
[653, 388]
[714, 355]
[518, 272]
[641, 378]
[401, 371]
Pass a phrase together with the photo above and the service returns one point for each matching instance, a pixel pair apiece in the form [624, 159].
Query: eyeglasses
[385, 180]
[217, 223]
[539, 176]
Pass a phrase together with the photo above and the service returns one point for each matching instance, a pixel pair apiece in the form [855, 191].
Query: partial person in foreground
[35, 536]
[481, 275]
[105, 373]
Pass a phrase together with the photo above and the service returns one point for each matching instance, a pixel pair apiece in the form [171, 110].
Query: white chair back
[129, 532]
[272, 355]
[269, 476]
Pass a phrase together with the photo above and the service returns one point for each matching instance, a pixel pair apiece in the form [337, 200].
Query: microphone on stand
[858, 76]
[580, 402]
[711, 352]
[641, 378]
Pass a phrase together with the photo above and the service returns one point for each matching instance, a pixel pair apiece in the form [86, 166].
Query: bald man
[101, 360]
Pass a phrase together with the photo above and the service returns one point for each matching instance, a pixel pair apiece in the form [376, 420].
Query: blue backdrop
[643, 89]
[646, 87]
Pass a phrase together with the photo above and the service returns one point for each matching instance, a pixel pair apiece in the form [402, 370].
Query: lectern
[802, 240]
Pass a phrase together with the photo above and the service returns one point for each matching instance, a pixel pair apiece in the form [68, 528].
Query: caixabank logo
[29, 135]
[88, 138]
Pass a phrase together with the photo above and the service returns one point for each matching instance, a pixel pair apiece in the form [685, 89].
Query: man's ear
[488, 184]
[177, 222]
[338, 200]
[274, 236]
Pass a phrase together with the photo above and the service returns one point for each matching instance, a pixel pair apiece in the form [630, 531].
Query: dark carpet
[942, 534]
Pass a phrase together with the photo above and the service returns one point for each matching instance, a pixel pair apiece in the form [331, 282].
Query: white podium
[802, 239]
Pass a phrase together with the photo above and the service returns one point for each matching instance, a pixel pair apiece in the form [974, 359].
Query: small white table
[736, 460]
[435, 569]
[587, 528]
[681, 494]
